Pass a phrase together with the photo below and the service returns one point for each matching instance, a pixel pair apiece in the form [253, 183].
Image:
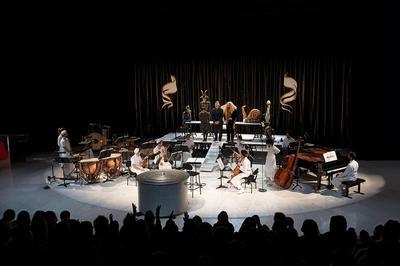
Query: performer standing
[65, 145]
[137, 163]
[266, 121]
[204, 117]
[61, 129]
[270, 161]
[187, 117]
[65, 152]
[230, 116]
[217, 116]
[187, 114]
[349, 174]
[245, 170]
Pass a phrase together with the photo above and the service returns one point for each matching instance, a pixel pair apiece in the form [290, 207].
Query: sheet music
[330, 156]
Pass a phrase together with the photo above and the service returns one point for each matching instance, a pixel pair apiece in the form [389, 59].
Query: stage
[25, 186]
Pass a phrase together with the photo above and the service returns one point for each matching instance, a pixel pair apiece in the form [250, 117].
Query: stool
[194, 179]
[349, 184]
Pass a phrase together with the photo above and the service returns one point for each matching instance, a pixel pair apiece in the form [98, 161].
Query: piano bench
[349, 184]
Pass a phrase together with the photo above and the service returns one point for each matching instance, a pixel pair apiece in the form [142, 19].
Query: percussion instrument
[112, 164]
[118, 159]
[90, 169]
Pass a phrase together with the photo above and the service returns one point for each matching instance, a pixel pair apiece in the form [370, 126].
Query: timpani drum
[118, 159]
[90, 169]
[111, 165]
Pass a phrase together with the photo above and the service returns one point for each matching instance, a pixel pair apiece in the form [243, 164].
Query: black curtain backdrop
[322, 107]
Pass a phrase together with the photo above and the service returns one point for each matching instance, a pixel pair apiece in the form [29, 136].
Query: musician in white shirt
[349, 174]
[245, 171]
[137, 163]
[270, 160]
[61, 129]
[160, 150]
[65, 152]
[65, 145]
[164, 164]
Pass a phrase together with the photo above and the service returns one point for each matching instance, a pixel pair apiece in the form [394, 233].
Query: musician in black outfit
[217, 116]
[266, 121]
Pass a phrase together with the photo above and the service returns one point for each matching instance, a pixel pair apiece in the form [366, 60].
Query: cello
[284, 176]
[236, 170]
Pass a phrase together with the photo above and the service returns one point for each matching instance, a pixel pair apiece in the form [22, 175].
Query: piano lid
[313, 154]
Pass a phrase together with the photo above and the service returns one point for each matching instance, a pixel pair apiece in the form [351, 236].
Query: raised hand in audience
[158, 211]
[185, 216]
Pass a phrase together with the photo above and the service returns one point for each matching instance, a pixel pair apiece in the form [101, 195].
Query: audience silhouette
[45, 240]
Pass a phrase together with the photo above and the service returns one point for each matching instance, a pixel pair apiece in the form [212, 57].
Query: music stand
[222, 168]
[105, 153]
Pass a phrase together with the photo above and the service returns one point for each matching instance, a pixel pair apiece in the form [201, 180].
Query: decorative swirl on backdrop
[168, 89]
[290, 96]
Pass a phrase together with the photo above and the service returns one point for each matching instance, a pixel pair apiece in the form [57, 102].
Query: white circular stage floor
[118, 195]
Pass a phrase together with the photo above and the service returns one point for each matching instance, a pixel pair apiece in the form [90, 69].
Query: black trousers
[230, 132]
[218, 132]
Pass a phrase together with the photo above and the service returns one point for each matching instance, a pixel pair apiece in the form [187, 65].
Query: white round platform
[119, 196]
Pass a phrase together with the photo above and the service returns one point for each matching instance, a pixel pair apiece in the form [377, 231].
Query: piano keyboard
[334, 171]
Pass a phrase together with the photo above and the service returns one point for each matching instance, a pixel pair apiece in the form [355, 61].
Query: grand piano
[311, 158]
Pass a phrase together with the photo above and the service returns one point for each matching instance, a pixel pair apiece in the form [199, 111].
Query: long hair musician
[230, 116]
[242, 169]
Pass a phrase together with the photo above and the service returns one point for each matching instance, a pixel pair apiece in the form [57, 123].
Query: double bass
[284, 176]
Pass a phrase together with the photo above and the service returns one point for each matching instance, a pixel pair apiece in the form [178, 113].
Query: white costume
[137, 163]
[59, 140]
[161, 150]
[349, 174]
[245, 169]
[164, 165]
[65, 147]
[270, 162]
